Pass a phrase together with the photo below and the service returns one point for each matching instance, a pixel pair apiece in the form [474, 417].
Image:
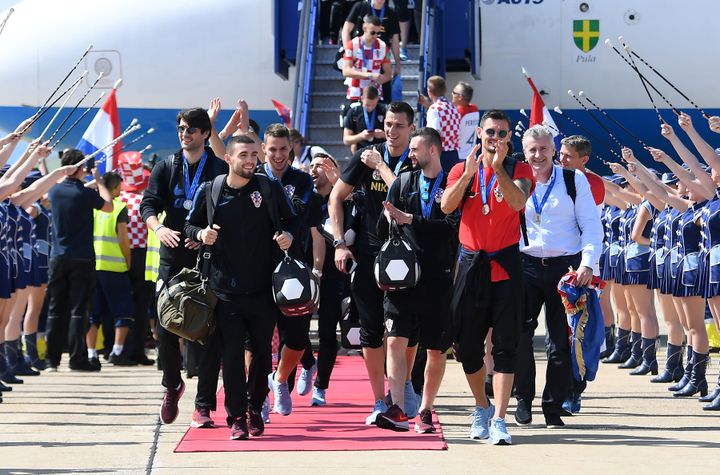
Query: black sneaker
[256, 425]
[393, 419]
[95, 363]
[84, 366]
[144, 361]
[554, 422]
[523, 412]
[239, 429]
[120, 360]
[4, 388]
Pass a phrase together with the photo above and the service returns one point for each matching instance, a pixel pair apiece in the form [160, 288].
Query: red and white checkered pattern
[137, 229]
[449, 123]
[360, 57]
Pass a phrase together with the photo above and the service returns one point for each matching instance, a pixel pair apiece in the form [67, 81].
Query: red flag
[536, 112]
[284, 112]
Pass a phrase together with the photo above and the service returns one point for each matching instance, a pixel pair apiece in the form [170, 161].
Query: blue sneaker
[481, 419]
[498, 433]
[318, 397]
[265, 411]
[412, 405]
[378, 409]
[283, 401]
[304, 384]
[403, 54]
[566, 409]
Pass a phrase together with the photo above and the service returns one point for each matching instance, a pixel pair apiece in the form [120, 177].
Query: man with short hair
[362, 125]
[366, 61]
[469, 118]
[298, 187]
[575, 152]
[419, 316]
[491, 190]
[243, 239]
[371, 170]
[112, 263]
[173, 183]
[562, 231]
[444, 117]
[72, 262]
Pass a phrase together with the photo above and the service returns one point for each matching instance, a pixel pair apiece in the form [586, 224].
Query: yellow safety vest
[108, 255]
[152, 257]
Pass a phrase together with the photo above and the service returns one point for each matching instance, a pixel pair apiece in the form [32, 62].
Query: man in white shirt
[563, 230]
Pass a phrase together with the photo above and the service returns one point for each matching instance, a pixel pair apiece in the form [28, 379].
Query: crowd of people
[485, 225]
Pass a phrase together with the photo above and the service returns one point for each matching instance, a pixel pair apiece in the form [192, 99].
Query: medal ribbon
[268, 171]
[539, 206]
[400, 162]
[190, 189]
[485, 191]
[370, 120]
[382, 13]
[426, 200]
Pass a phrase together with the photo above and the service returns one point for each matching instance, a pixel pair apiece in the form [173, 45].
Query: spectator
[301, 156]
[469, 118]
[443, 117]
[363, 123]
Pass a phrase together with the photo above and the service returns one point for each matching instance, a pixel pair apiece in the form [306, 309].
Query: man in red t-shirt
[490, 190]
[574, 153]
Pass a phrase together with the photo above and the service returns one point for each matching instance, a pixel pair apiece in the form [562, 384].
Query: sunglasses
[190, 130]
[374, 33]
[500, 133]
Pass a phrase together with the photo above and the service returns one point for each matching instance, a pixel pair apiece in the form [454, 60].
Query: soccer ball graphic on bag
[396, 265]
[296, 290]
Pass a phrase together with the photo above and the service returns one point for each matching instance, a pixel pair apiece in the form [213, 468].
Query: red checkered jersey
[137, 229]
[364, 58]
[498, 229]
[444, 117]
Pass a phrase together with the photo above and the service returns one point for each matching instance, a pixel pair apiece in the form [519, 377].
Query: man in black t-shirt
[245, 243]
[363, 121]
[298, 187]
[371, 170]
[389, 33]
[173, 183]
[72, 262]
[420, 314]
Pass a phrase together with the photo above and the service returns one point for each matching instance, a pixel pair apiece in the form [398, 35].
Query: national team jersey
[467, 134]
[445, 118]
[137, 229]
[364, 58]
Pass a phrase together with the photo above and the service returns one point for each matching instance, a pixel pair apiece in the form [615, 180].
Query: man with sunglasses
[491, 190]
[366, 61]
[173, 183]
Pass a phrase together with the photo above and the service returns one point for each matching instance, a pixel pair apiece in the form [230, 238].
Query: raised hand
[214, 109]
[372, 159]
[714, 123]
[657, 154]
[667, 131]
[472, 163]
[628, 155]
[685, 122]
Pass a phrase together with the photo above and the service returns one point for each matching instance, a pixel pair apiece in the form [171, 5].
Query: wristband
[159, 228]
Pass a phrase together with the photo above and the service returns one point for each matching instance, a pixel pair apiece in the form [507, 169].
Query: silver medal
[537, 218]
[486, 209]
[187, 204]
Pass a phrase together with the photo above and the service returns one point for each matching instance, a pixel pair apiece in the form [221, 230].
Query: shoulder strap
[509, 166]
[569, 177]
[267, 194]
[404, 188]
[212, 196]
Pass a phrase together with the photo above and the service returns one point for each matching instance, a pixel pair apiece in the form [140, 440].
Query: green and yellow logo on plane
[586, 34]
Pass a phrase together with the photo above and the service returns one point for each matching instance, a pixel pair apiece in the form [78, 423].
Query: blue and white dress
[688, 282]
[672, 255]
[657, 247]
[5, 281]
[636, 265]
[41, 251]
[611, 243]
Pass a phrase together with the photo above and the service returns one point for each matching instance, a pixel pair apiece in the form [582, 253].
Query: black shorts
[113, 296]
[421, 314]
[401, 9]
[369, 302]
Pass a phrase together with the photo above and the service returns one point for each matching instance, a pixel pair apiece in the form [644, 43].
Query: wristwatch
[338, 242]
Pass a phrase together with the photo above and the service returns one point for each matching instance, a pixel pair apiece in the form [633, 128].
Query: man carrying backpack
[563, 230]
[244, 239]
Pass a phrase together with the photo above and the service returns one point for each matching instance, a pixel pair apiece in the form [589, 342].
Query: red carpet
[340, 425]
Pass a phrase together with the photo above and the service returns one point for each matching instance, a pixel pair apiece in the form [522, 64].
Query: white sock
[92, 353]
[117, 349]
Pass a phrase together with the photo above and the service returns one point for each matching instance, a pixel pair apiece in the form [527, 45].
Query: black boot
[635, 358]
[686, 373]
[21, 367]
[673, 366]
[714, 394]
[622, 348]
[714, 405]
[649, 358]
[31, 353]
[8, 355]
[697, 382]
[609, 342]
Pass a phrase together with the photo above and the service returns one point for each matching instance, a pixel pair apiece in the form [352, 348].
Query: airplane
[236, 47]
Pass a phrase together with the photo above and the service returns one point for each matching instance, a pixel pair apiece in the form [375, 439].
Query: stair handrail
[305, 55]
[426, 52]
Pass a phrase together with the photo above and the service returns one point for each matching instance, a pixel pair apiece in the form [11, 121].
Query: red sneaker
[169, 407]
[255, 423]
[424, 423]
[201, 418]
